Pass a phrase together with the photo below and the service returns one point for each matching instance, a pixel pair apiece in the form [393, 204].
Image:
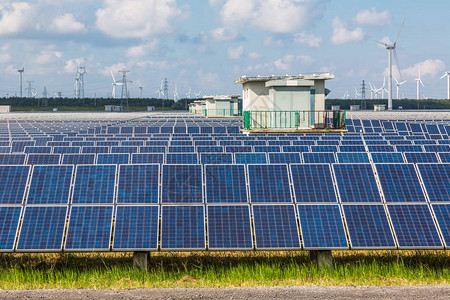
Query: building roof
[318, 76]
[221, 97]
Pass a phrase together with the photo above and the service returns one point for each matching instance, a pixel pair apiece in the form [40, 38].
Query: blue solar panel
[113, 158]
[414, 226]
[147, 158]
[5, 149]
[43, 159]
[436, 178]
[10, 217]
[442, 213]
[400, 183]
[37, 149]
[89, 228]
[409, 148]
[421, 157]
[42, 228]
[182, 184]
[183, 227]
[13, 184]
[353, 157]
[269, 183]
[296, 148]
[329, 148]
[356, 183]
[229, 227]
[182, 158]
[78, 159]
[313, 183]
[62, 150]
[136, 228]
[209, 149]
[285, 158]
[250, 158]
[216, 158]
[444, 157]
[95, 149]
[19, 146]
[381, 148]
[225, 184]
[94, 184]
[50, 185]
[124, 149]
[238, 149]
[368, 226]
[275, 227]
[319, 157]
[181, 149]
[352, 148]
[387, 157]
[267, 149]
[138, 184]
[322, 227]
[437, 148]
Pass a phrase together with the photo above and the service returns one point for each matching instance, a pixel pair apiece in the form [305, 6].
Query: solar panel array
[195, 184]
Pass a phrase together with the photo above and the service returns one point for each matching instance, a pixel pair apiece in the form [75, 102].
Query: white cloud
[341, 35]
[47, 57]
[223, 34]
[72, 64]
[235, 53]
[280, 16]
[429, 67]
[255, 55]
[373, 18]
[136, 18]
[5, 58]
[115, 68]
[308, 39]
[209, 79]
[66, 24]
[142, 50]
[271, 42]
[289, 60]
[14, 17]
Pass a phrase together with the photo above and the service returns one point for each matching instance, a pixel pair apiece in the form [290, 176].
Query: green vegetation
[222, 269]
[404, 103]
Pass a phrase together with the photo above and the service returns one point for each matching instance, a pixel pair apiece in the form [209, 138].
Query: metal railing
[323, 119]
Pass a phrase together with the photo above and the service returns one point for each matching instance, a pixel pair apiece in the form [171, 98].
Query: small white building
[222, 105]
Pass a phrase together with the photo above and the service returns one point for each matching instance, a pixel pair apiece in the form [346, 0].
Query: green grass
[222, 269]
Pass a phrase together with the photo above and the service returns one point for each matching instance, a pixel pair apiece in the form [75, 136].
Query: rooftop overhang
[319, 76]
[289, 82]
[221, 97]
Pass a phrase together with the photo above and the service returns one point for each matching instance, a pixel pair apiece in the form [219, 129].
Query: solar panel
[43, 159]
[444, 157]
[124, 149]
[63, 149]
[353, 157]
[182, 184]
[414, 226]
[229, 227]
[442, 213]
[89, 228]
[147, 158]
[216, 158]
[352, 148]
[381, 148]
[319, 157]
[225, 184]
[19, 146]
[182, 158]
[437, 148]
[153, 149]
[296, 148]
[322, 227]
[356, 183]
[387, 157]
[329, 148]
[181, 149]
[95, 149]
[209, 149]
[421, 157]
[313, 183]
[183, 228]
[37, 149]
[13, 184]
[400, 183]
[275, 227]
[238, 149]
[94, 184]
[436, 179]
[266, 149]
[409, 148]
[136, 228]
[50, 185]
[42, 228]
[138, 184]
[368, 226]
[250, 158]
[5, 149]
[285, 158]
[78, 159]
[113, 158]
[269, 183]
[10, 217]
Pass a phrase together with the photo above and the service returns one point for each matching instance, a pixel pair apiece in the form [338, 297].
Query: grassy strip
[222, 269]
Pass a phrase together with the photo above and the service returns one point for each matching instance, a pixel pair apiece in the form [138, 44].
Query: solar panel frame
[251, 158]
[216, 158]
[261, 191]
[43, 159]
[10, 216]
[146, 218]
[420, 157]
[387, 157]
[72, 229]
[5, 185]
[78, 159]
[190, 195]
[223, 178]
[134, 184]
[181, 158]
[147, 158]
[441, 212]
[216, 221]
[113, 158]
[285, 158]
[353, 157]
[199, 225]
[436, 186]
[319, 157]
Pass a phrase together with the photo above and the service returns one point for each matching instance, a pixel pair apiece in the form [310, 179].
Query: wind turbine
[356, 94]
[188, 94]
[447, 74]
[140, 89]
[175, 94]
[21, 81]
[114, 84]
[398, 84]
[197, 95]
[372, 90]
[160, 91]
[419, 80]
[391, 48]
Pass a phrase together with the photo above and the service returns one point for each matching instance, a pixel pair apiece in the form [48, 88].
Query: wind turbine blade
[420, 80]
[401, 27]
[382, 43]
[112, 75]
[396, 81]
[397, 65]
[443, 75]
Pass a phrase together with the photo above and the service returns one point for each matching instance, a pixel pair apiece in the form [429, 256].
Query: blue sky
[205, 45]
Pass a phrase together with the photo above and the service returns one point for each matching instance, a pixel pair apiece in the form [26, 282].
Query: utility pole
[20, 80]
[363, 95]
[124, 86]
[29, 89]
[166, 89]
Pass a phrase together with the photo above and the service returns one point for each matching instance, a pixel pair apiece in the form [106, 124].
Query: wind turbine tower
[419, 81]
[398, 84]
[81, 71]
[391, 48]
[20, 81]
[140, 89]
[447, 74]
